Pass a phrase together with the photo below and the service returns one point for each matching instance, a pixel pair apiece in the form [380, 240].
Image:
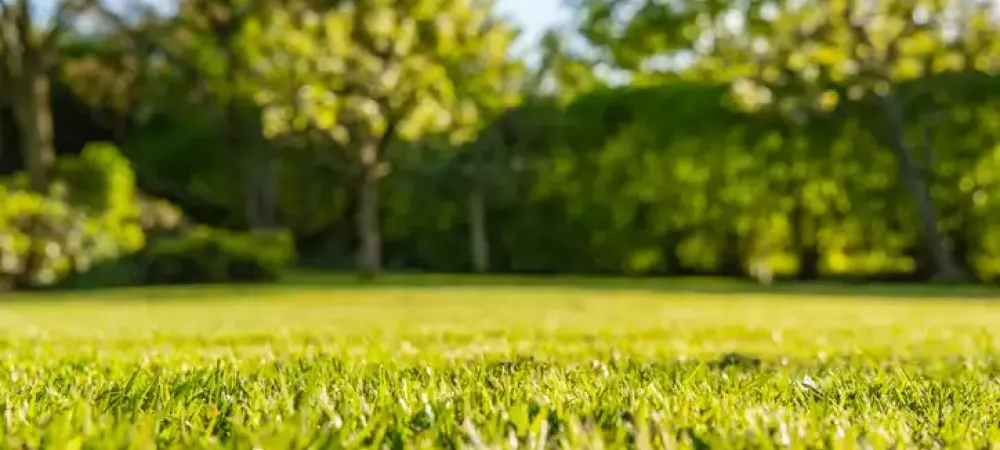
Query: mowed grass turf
[481, 366]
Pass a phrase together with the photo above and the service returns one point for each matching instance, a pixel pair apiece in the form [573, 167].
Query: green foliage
[41, 239]
[158, 219]
[100, 180]
[562, 72]
[382, 66]
[646, 180]
[428, 368]
[89, 218]
[810, 59]
[45, 240]
[206, 255]
[668, 180]
[158, 215]
[180, 152]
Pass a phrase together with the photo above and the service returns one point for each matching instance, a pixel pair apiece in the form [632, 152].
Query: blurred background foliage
[850, 140]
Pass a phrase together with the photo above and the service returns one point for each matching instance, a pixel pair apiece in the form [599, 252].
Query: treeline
[663, 180]
[451, 167]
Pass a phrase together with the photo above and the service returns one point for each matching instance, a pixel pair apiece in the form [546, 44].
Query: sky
[534, 16]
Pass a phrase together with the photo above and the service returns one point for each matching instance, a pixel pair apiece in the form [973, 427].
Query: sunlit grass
[497, 367]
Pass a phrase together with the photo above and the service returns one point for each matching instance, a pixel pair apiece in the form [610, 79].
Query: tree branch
[5, 51]
[143, 45]
[22, 25]
[67, 9]
[9, 62]
[393, 118]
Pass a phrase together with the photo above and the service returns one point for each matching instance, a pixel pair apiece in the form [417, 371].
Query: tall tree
[488, 83]
[27, 56]
[30, 47]
[214, 29]
[814, 56]
[189, 90]
[371, 74]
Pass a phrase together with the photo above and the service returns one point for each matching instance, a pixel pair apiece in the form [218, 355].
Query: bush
[159, 216]
[100, 181]
[90, 230]
[44, 239]
[207, 255]
[88, 217]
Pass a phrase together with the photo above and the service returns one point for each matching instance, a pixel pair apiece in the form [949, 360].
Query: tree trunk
[33, 113]
[946, 266]
[257, 168]
[2, 135]
[915, 180]
[732, 254]
[250, 204]
[269, 188]
[367, 220]
[804, 243]
[259, 175]
[477, 231]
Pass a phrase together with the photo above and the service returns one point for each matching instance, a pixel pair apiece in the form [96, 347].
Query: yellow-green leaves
[828, 100]
[369, 67]
[860, 46]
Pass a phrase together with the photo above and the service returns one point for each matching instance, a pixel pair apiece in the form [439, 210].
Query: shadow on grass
[707, 285]
[326, 281]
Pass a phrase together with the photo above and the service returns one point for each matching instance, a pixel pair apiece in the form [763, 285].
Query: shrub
[44, 239]
[90, 230]
[100, 181]
[159, 216]
[88, 217]
[207, 255]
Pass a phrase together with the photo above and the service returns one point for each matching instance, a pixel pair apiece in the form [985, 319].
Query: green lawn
[584, 365]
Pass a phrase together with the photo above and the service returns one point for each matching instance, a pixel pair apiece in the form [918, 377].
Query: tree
[805, 58]
[371, 74]
[214, 29]
[27, 56]
[492, 83]
[816, 55]
[562, 71]
[657, 41]
[487, 169]
[191, 93]
[30, 53]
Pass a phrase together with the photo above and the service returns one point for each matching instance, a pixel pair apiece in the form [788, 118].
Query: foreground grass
[497, 367]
